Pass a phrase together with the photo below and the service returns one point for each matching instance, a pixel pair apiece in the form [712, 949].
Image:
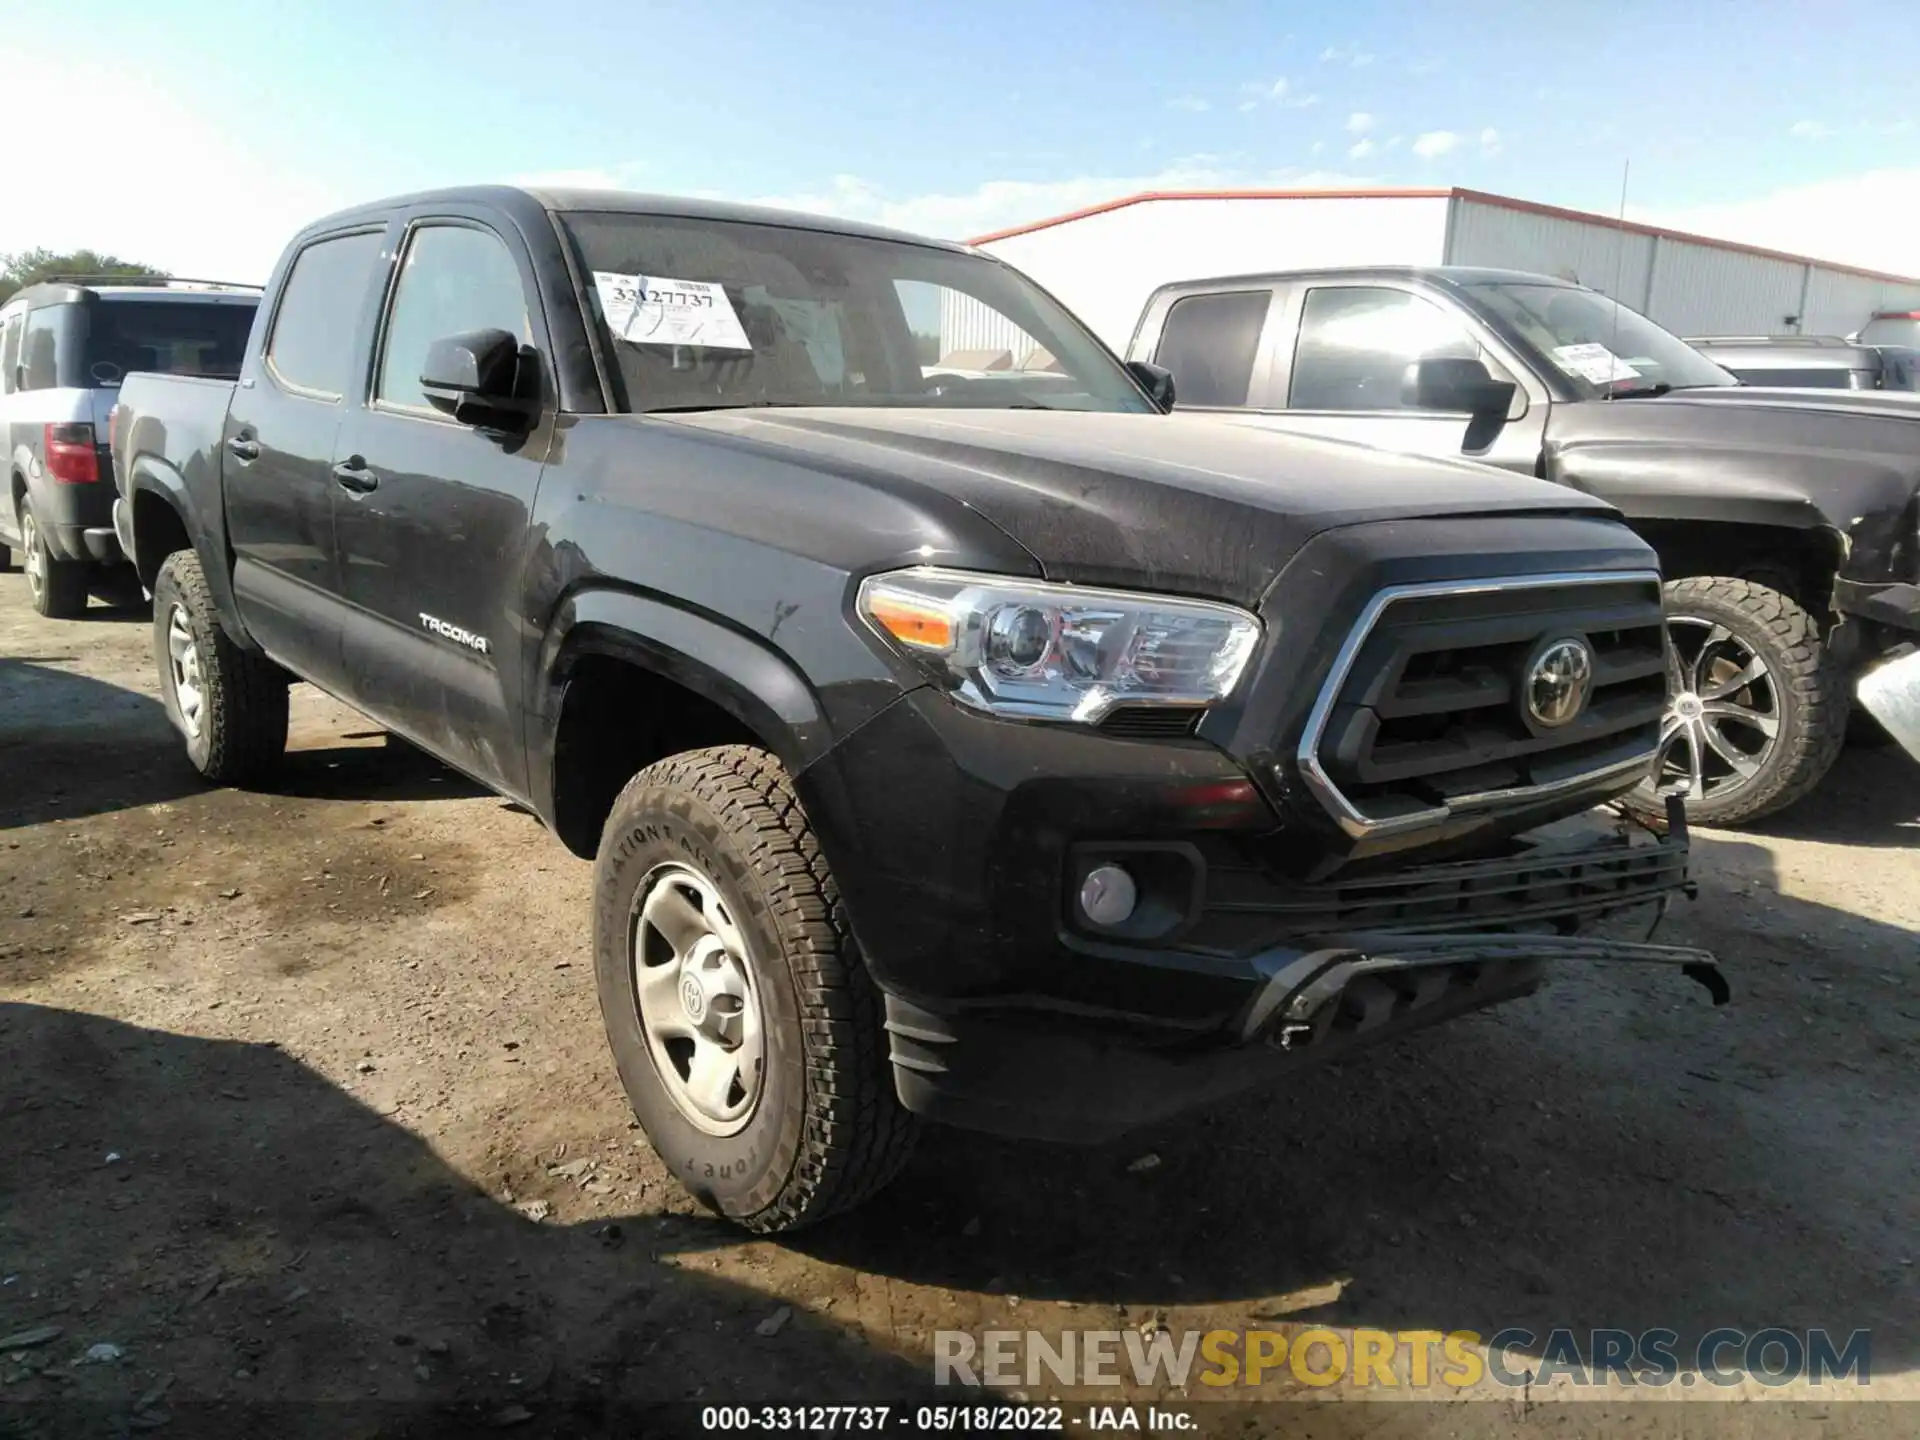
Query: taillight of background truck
[71, 456]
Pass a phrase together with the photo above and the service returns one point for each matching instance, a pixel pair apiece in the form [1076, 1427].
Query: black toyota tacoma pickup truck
[1787, 524]
[996, 749]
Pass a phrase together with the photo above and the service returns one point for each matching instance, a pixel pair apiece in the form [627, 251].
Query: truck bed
[179, 456]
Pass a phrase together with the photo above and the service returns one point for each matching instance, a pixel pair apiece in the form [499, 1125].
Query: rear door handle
[243, 447]
[353, 475]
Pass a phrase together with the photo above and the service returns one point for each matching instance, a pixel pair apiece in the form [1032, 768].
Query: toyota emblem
[1558, 681]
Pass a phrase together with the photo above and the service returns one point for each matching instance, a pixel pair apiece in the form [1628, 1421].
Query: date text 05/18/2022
[944, 1419]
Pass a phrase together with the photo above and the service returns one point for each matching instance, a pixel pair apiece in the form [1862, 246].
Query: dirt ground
[303, 1097]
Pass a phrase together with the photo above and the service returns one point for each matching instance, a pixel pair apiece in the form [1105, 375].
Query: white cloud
[1810, 130]
[1394, 142]
[1360, 122]
[1435, 143]
[1865, 220]
[1348, 54]
[1002, 204]
[1190, 102]
[1317, 146]
[1280, 92]
[1489, 141]
[1360, 150]
[1246, 105]
[229, 222]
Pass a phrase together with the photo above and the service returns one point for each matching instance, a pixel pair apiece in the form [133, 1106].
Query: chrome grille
[1424, 714]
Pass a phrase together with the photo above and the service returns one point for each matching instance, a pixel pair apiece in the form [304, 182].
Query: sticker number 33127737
[656, 310]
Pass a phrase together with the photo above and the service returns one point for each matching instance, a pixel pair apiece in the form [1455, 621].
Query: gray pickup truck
[1787, 523]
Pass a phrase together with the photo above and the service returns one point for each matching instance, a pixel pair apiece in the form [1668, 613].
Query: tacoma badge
[454, 633]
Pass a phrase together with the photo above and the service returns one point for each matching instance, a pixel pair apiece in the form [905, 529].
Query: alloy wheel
[1723, 712]
[699, 1005]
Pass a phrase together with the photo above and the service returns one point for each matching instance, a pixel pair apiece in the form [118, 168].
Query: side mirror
[1459, 385]
[1156, 380]
[477, 378]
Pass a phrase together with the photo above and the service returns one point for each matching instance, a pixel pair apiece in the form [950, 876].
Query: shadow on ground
[1870, 797]
[71, 746]
[230, 1219]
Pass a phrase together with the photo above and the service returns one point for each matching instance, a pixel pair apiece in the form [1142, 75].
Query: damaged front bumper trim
[1290, 1004]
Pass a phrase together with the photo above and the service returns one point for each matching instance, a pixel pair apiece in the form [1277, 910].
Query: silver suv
[65, 344]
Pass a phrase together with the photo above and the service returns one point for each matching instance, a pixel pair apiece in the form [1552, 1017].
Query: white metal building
[1103, 262]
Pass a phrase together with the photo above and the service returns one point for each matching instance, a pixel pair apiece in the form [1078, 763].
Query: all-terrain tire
[1810, 691]
[241, 728]
[58, 588]
[827, 1130]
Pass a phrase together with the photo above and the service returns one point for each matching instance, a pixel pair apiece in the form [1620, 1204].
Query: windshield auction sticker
[1593, 362]
[657, 310]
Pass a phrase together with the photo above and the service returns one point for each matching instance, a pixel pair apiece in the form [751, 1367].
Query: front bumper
[960, 844]
[1893, 604]
[1011, 1075]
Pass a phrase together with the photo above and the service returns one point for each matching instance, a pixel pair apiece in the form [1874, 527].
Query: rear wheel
[742, 1020]
[6, 559]
[58, 588]
[229, 704]
[1756, 712]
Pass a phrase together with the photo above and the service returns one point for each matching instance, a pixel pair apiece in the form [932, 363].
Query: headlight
[1035, 651]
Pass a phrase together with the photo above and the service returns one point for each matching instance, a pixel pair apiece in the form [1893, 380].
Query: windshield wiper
[1640, 392]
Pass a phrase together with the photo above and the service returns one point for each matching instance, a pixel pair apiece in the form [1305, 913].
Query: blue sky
[208, 132]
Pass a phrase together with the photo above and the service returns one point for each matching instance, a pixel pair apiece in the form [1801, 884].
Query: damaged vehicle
[1787, 522]
[995, 749]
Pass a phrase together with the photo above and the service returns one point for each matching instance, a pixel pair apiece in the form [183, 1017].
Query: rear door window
[311, 348]
[40, 347]
[1210, 343]
[172, 337]
[10, 328]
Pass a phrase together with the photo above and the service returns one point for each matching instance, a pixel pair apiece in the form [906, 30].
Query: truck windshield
[713, 314]
[1603, 348]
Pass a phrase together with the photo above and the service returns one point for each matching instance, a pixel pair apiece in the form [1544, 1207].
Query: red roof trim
[1482, 197]
[1146, 195]
[1529, 207]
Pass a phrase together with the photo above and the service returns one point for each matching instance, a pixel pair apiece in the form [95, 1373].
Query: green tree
[31, 265]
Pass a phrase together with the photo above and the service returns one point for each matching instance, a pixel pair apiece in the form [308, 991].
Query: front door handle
[352, 473]
[244, 447]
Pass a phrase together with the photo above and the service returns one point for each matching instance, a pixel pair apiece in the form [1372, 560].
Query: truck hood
[1191, 504]
[1887, 404]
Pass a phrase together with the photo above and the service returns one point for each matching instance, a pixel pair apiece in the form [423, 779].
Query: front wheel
[1756, 710]
[229, 704]
[742, 1020]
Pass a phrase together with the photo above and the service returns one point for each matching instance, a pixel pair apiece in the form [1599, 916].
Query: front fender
[1859, 498]
[737, 672]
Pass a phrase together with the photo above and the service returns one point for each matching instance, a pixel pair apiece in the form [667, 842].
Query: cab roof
[522, 201]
